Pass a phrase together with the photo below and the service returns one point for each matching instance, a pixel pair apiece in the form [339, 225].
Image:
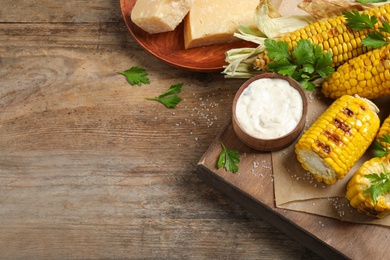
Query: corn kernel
[353, 82]
[360, 76]
[335, 51]
[354, 43]
[326, 45]
[331, 42]
[386, 64]
[368, 75]
[387, 74]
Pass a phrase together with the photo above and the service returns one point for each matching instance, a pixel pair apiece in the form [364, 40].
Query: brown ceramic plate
[169, 46]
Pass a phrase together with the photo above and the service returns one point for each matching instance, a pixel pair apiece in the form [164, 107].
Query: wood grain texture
[91, 170]
[253, 188]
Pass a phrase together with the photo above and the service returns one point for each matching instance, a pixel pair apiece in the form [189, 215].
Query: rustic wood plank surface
[253, 188]
[89, 169]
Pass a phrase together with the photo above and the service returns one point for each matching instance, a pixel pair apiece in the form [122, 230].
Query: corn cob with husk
[368, 190]
[367, 75]
[382, 140]
[338, 138]
[331, 35]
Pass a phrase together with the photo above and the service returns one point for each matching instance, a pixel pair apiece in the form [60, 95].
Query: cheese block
[213, 22]
[156, 16]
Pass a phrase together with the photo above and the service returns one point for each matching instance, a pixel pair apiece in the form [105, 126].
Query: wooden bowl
[275, 143]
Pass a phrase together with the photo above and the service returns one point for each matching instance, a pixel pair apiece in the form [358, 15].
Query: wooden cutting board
[253, 188]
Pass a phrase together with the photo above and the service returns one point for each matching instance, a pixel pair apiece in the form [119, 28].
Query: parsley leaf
[374, 40]
[324, 64]
[380, 150]
[283, 67]
[360, 21]
[371, 1]
[228, 159]
[380, 183]
[277, 50]
[304, 54]
[305, 63]
[136, 76]
[385, 27]
[169, 98]
[307, 85]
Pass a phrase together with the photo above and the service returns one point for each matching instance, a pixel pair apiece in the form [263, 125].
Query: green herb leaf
[371, 1]
[307, 85]
[305, 63]
[228, 159]
[169, 98]
[324, 64]
[385, 27]
[277, 50]
[360, 21]
[136, 76]
[283, 67]
[173, 90]
[307, 69]
[380, 183]
[324, 72]
[374, 40]
[380, 150]
[304, 53]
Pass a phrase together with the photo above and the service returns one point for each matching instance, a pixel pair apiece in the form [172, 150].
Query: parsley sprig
[361, 21]
[229, 159]
[136, 76]
[170, 98]
[305, 63]
[379, 149]
[371, 1]
[380, 183]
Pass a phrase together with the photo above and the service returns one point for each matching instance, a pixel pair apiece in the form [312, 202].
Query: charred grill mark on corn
[358, 184]
[332, 35]
[337, 139]
[367, 75]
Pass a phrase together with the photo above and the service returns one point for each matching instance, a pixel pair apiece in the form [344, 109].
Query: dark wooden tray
[329, 238]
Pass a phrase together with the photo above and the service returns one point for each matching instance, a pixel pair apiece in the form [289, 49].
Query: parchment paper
[295, 189]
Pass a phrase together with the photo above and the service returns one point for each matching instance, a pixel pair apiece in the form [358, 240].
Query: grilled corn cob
[384, 129]
[382, 145]
[358, 188]
[367, 75]
[332, 35]
[338, 138]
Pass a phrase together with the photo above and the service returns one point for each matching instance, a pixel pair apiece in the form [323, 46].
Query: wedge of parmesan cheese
[157, 16]
[214, 22]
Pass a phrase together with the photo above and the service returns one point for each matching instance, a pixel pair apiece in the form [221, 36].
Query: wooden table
[89, 169]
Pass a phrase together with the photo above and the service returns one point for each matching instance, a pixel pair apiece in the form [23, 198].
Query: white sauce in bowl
[269, 108]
